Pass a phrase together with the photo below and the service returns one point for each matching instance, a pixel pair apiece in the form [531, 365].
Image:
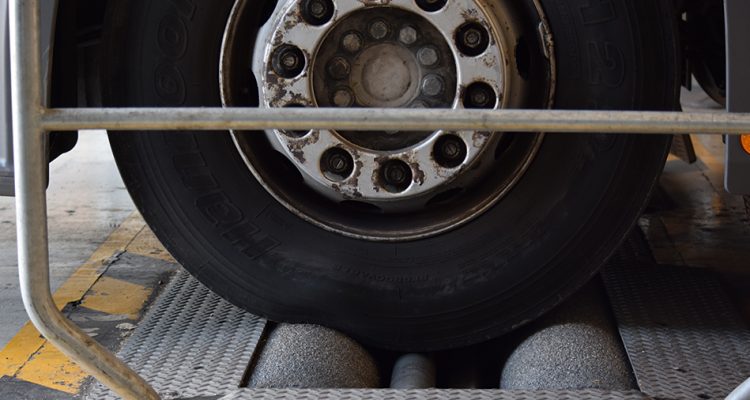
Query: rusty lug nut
[427, 56]
[432, 85]
[396, 176]
[378, 29]
[480, 95]
[338, 68]
[407, 35]
[336, 164]
[352, 42]
[472, 39]
[449, 151]
[343, 97]
[317, 12]
[288, 61]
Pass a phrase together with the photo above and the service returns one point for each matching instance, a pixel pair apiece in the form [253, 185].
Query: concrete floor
[87, 201]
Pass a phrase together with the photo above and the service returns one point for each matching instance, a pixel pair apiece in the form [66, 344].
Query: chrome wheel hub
[388, 186]
[352, 54]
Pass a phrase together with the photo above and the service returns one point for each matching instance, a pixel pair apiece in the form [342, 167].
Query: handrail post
[31, 212]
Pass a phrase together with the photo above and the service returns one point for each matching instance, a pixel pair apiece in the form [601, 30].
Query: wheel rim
[385, 186]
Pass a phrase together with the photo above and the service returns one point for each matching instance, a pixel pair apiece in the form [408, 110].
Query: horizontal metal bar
[138, 119]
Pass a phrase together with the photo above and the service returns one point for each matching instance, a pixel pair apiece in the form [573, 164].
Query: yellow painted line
[28, 342]
[76, 286]
[146, 244]
[52, 369]
[117, 297]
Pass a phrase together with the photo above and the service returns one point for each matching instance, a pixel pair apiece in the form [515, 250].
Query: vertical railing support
[31, 208]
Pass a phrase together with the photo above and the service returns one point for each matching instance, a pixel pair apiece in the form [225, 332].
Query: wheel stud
[378, 29]
[480, 95]
[472, 39]
[288, 61]
[431, 5]
[352, 42]
[395, 175]
[432, 85]
[316, 12]
[336, 164]
[407, 35]
[449, 151]
[427, 56]
[338, 68]
[343, 97]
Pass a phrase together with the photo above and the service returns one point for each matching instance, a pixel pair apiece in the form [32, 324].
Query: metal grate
[427, 394]
[684, 337]
[190, 343]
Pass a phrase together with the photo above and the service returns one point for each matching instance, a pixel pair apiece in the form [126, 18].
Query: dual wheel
[406, 240]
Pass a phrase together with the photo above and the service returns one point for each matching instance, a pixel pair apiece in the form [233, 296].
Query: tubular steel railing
[32, 120]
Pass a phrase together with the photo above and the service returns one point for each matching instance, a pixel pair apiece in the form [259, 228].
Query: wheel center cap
[385, 75]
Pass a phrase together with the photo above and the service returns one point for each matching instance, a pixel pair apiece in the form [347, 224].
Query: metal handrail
[32, 120]
[31, 213]
[548, 121]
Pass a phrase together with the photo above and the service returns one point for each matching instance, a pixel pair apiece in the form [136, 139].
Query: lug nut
[432, 85]
[431, 5]
[338, 68]
[407, 35]
[472, 39]
[352, 42]
[378, 29]
[343, 97]
[449, 151]
[288, 61]
[427, 56]
[336, 164]
[316, 12]
[396, 176]
[480, 95]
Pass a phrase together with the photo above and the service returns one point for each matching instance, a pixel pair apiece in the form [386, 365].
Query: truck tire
[517, 259]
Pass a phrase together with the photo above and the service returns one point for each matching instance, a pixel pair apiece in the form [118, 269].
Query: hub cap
[398, 53]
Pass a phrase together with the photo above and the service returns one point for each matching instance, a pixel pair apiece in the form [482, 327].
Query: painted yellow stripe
[146, 244]
[52, 369]
[29, 348]
[84, 277]
[117, 297]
